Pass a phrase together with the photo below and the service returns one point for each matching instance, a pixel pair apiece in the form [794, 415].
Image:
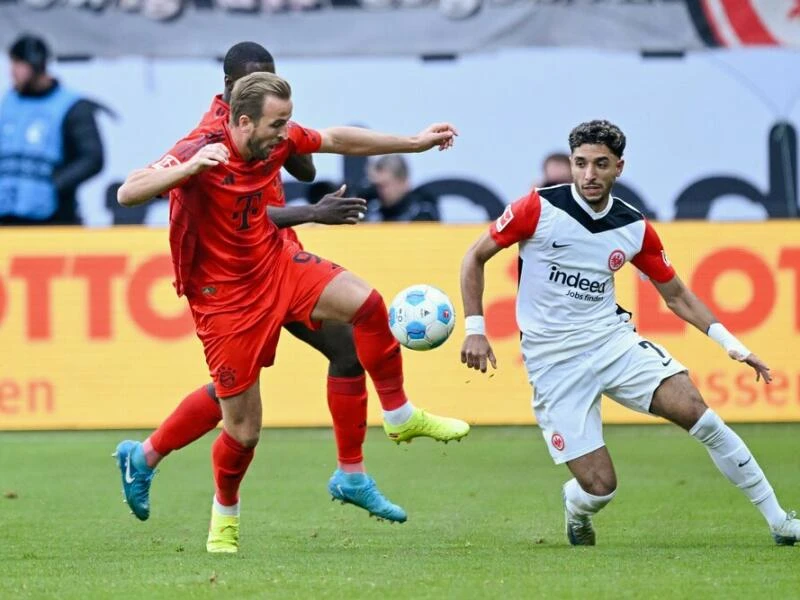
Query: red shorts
[239, 342]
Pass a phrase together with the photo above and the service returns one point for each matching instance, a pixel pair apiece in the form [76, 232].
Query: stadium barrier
[93, 336]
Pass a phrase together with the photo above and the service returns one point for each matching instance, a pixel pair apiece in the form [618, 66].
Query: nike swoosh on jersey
[557, 245]
[664, 364]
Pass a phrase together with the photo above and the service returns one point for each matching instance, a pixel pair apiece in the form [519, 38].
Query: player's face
[21, 75]
[594, 170]
[271, 129]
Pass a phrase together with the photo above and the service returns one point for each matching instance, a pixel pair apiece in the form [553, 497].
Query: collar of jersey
[588, 209]
[229, 139]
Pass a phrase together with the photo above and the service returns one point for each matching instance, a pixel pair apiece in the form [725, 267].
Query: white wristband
[475, 325]
[727, 340]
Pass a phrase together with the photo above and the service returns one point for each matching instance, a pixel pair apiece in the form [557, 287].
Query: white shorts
[567, 394]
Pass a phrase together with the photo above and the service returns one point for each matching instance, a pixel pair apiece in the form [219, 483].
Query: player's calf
[733, 458]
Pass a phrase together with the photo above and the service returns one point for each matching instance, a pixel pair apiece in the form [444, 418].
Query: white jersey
[569, 253]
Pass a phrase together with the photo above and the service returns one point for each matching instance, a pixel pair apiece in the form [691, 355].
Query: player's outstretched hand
[208, 156]
[476, 353]
[761, 369]
[439, 134]
[335, 209]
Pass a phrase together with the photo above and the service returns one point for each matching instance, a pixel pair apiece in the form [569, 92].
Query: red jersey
[222, 240]
[220, 111]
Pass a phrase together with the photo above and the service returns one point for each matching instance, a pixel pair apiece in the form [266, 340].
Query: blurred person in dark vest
[392, 196]
[49, 142]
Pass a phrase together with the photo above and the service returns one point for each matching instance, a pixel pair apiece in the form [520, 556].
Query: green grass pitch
[485, 521]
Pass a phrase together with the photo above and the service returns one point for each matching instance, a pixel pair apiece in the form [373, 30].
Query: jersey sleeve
[652, 259]
[303, 140]
[518, 221]
[182, 151]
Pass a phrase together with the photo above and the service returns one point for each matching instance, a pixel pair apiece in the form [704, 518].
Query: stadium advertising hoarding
[205, 28]
[93, 336]
[408, 27]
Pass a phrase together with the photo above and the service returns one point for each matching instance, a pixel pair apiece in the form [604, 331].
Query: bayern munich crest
[616, 259]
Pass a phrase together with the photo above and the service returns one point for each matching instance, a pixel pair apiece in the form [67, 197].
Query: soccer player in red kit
[572, 240]
[244, 281]
[199, 412]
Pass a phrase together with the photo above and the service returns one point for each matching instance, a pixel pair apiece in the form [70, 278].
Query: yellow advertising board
[92, 334]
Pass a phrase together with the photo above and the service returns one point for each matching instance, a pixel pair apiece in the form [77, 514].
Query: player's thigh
[632, 378]
[341, 298]
[566, 403]
[335, 341]
[315, 289]
[678, 400]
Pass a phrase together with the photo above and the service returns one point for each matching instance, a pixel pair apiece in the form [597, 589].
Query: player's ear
[620, 166]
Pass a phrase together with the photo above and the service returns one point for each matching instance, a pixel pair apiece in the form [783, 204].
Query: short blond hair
[249, 93]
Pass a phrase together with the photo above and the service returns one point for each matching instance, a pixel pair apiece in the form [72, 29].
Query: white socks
[733, 458]
[580, 502]
[226, 511]
[398, 416]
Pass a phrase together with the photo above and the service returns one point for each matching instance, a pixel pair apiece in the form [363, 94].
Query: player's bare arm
[476, 352]
[332, 209]
[685, 304]
[301, 167]
[356, 141]
[142, 185]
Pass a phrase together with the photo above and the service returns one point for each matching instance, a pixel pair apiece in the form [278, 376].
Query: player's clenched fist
[208, 156]
[438, 134]
[476, 353]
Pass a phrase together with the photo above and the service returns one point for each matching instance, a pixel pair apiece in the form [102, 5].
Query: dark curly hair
[598, 132]
[241, 54]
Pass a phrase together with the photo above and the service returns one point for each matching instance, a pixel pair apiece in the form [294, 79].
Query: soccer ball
[421, 317]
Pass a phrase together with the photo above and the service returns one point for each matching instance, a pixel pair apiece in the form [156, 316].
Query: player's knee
[600, 484]
[371, 303]
[247, 436]
[343, 358]
[244, 430]
[697, 406]
[251, 439]
[345, 365]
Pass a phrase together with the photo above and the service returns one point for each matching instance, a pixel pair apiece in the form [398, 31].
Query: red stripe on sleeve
[518, 221]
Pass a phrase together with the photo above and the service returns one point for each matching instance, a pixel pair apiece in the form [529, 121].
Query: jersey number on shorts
[304, 257]
[664, 361]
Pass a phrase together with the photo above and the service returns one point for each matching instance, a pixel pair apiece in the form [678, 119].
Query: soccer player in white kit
[572, 239]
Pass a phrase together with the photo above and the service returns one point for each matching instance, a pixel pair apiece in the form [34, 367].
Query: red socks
[347, 401]
[379, 352]
[230, 461]
[196, 415]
